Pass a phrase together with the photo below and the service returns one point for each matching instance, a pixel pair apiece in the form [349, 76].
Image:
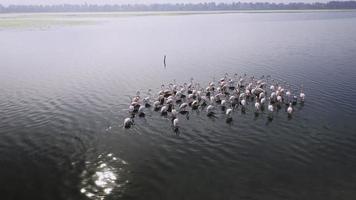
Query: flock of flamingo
[228, 94]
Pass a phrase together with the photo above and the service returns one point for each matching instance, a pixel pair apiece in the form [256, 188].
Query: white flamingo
[174, 113]
[257, 105]
[183, 107]
[128, 122]
[210, 110]
[270, 108]
[263, 101]
[302, 96]
[141, 112]
[223, 104]
[290, 109]
[164, 110]
[228, 113]
[176, 124]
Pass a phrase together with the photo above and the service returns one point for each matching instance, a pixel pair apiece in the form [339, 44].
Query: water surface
[65, 90]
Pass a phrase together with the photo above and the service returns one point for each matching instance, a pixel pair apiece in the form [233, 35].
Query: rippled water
[64, 92]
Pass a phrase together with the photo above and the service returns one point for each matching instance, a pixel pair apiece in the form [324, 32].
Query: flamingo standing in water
[195, 105]
[223, 104]
[228, 93]
[164, 110]
[270, 111]
[141, 111]
[263, 101]
[146, 101]
[128, 122]
[243, 104]
[228, 115]
[174, 113]
[302, 96]
[210, 110]
[176, 124]
[156, 105]
[257, 105]
[183, 107]
[290, 109]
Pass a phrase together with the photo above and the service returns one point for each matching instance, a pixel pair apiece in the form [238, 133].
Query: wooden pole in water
[164, 60]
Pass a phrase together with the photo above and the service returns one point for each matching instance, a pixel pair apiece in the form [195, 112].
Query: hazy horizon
[56, 2]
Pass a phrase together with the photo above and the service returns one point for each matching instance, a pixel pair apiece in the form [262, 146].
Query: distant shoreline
[181, 7]
[138, 13]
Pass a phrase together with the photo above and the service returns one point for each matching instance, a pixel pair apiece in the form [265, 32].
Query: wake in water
[229, 94]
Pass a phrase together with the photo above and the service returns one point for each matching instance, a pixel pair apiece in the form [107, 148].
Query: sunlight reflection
[101, 178]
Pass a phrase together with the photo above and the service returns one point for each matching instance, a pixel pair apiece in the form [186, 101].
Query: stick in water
[164, 60]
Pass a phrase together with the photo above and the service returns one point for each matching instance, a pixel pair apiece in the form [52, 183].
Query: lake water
[65, 91]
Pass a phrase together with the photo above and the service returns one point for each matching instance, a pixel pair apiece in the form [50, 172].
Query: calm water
[64, 92]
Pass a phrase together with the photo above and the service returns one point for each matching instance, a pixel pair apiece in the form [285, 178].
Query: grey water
[65, 91]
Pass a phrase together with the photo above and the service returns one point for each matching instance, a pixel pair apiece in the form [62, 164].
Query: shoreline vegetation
[178, 7]
[46, 20]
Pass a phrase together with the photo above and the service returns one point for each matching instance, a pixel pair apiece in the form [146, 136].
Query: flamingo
[146, 101]
[302, 96]
[131, 109]
[290, 109]
[156, 105]
[223, 104]
[279, 99]
[195, 104]
[232, 100]
[164, 110]
[174, 113]
[210, 110]
[271, 88]
[183, 107]
[228, 113]
[243, 104]
[263, 100]
[257, 105]
[176, 124]
[141, 111]
[128, 122]
[270, 109]
[295, 99]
